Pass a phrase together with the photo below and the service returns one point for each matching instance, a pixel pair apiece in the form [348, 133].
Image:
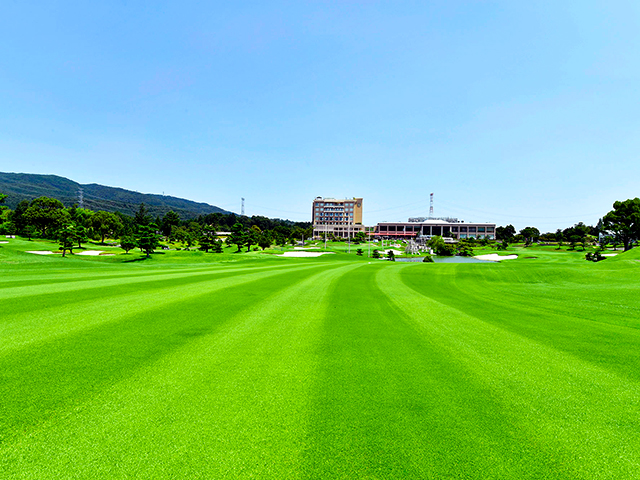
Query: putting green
[253, 366]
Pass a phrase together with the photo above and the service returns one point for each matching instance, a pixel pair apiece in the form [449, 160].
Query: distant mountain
[27, 186]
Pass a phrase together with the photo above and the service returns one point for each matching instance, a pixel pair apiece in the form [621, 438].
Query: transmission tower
[80, 198]
[431, 206]
[242, 211]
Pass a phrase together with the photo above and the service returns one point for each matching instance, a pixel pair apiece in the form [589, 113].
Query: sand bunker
[4, 242]
[41, 252]
[306, 248]
[604, 254]
[494, 257]
[386, 250]
[90, 252]
[303, 254]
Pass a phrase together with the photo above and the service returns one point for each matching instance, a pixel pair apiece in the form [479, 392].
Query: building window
[472, 229]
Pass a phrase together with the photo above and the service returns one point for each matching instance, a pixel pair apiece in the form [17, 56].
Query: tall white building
[341, 217]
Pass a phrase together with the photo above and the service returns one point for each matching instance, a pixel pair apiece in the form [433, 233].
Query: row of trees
[46, 217]
[621, 226]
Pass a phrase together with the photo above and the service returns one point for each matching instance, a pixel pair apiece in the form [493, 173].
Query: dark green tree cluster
[48, 218]
[623, 222]
[530, 235]
[505, 233]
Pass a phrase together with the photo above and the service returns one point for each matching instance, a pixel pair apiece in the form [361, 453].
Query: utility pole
[242, 210]
[80, 198]
[431, 207]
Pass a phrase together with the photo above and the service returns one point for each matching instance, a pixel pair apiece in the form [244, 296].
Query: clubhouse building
[428, 228]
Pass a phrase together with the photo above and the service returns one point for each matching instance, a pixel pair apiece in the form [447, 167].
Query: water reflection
[437, 259]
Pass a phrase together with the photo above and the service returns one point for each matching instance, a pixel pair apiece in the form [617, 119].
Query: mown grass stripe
[61, 315]
[65, 371]
[575, 408]
[599, 334]
[232, 402]
[389, 404]
[32, 290]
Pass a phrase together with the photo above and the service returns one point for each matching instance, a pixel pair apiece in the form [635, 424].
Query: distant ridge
[27, 186]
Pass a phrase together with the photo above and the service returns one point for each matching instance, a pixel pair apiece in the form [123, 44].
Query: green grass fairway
[191, 365]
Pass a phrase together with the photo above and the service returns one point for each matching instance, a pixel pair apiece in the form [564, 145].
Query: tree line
[48, 218]
[620, 226]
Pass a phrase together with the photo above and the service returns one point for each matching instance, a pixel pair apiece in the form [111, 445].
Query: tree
[615, 242]
[67, 237]
[2, 197]
[170, 219]
[375, 253]
[195, 229]
[530, 234]
[81, 216]
[359, 252]
[265, 240]
[360, 237]
[252, 236]
[604, 241]
[436, 243]
[178, 234]
[464, 248]
[46, 214]
[142, 216]
[147, 239]
[127, 243]
[505, 233]
[573, 241]
[449, 250]
[391, 256]
[217, 246]
[81, 235]
[106, 223]
[238, 236]
[624, 221]
[207, 240]
[18, 216]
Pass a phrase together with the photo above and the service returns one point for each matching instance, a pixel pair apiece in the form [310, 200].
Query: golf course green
[193, 365]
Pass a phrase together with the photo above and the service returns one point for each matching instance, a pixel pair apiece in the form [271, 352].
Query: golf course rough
[265, 367]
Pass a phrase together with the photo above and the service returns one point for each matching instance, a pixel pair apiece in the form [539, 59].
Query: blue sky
[511, 112]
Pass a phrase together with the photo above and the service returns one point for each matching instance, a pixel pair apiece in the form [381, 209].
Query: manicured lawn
[193, 365]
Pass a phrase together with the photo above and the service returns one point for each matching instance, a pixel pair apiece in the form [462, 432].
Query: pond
[438, 259]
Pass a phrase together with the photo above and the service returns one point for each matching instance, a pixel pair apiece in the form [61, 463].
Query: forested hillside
[26, 186]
